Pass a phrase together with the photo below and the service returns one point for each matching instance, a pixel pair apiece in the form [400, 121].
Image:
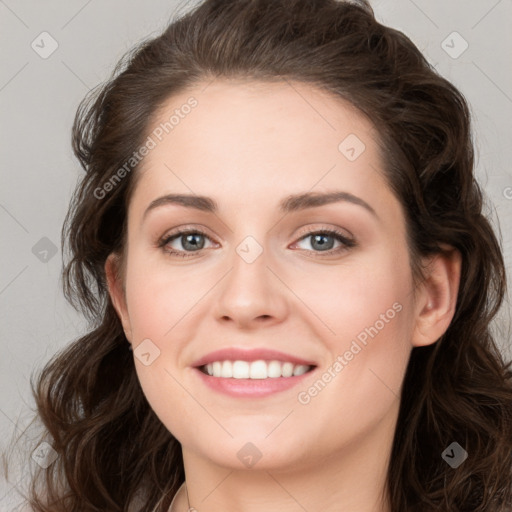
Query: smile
[251, 373]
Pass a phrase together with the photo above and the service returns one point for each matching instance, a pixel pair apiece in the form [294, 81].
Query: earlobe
[116, 292]
[437, 299]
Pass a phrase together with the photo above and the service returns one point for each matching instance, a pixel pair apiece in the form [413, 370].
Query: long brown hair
[111, 446]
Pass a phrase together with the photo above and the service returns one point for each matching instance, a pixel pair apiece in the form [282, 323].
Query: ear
[117, 293]
[437, 296]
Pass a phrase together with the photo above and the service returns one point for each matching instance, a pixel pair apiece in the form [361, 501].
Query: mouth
[254, 370]
[252, 379]
[251, 373]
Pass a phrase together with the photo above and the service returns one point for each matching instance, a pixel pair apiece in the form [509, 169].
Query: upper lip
[255, 354]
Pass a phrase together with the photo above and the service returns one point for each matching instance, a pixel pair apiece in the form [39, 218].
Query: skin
[248, 145]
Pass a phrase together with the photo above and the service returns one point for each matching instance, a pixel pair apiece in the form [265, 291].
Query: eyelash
[347, 242]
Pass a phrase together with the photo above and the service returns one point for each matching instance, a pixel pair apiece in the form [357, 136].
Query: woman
[280, 243]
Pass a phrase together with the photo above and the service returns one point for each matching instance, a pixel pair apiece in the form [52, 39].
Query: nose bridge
[249, 265]
[249, 241]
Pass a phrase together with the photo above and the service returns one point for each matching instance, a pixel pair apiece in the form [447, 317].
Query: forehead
[247, 140]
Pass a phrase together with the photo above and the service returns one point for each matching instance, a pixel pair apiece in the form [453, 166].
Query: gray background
[38, 99]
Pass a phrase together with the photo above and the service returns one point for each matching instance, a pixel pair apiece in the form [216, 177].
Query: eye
[323, 240]
[193, 241]
[190, 241]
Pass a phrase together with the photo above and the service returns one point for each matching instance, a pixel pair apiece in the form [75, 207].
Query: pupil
[194, 244]
[322, 244]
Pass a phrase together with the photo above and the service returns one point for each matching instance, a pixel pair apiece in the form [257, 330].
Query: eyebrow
[289, 204]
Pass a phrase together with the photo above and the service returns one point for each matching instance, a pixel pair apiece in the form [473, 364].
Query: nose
[252, 293]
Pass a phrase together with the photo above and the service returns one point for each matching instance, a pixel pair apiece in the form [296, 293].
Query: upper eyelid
[185, 231]
[205, 231]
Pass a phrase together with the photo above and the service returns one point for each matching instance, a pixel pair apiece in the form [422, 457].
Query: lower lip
[251, 388]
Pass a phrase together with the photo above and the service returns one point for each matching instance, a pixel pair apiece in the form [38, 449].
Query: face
[325, 284]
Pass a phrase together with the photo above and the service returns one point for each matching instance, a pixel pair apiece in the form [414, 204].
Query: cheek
[158, 297]
[158, 302]
[358, 293]
[369, 310]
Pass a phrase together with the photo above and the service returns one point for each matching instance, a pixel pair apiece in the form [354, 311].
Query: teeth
[226, 371]
[274, 369]
[255, 370]
[258, 370]
[287, 370]
[300, 369]
[241, 369]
